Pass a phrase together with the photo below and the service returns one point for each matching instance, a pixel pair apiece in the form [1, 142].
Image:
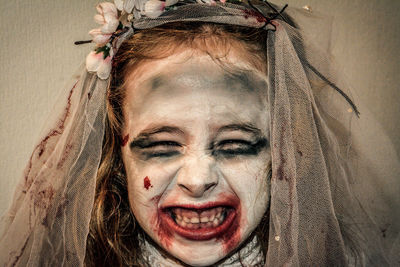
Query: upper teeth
[192, 219]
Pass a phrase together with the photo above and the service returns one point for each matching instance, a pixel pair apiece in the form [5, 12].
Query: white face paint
[197, 155]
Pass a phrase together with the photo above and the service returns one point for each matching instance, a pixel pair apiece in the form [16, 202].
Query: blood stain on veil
[60, 126]
[68, 149]
[42, 200]
[147, 183]
[54, 132]
[280, 172]
[252, 13]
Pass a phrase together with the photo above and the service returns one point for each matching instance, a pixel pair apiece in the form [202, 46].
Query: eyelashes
[236, 147]
[161, 149]
[226, 148]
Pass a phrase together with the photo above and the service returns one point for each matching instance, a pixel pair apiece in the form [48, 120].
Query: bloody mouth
[205, 222]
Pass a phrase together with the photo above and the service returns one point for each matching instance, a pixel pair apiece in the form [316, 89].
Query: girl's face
[197, 154]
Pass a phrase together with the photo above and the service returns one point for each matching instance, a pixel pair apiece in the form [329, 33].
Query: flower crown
[116, 19]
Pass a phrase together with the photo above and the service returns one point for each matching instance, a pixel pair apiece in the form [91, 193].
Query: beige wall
[38, 56]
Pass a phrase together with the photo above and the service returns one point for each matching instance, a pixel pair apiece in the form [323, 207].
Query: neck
[249, 255]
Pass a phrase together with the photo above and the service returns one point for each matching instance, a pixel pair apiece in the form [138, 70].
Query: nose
[197, 176]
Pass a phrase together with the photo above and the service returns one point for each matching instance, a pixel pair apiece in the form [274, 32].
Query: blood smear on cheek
[146, 183]
[163, 233]
[231, 240]
[232, 237]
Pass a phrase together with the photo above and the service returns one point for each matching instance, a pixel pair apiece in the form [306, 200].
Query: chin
[208, 252]
[202, 253]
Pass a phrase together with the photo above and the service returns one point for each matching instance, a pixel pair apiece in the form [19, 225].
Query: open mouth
[199, 223]
[192, 219]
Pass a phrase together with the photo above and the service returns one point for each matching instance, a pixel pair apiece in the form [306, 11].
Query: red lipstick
[202, 222]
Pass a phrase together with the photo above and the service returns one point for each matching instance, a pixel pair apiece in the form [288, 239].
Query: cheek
[145, 179]
[147, 183]
[150, 179]
[249, 180]
[144, 198]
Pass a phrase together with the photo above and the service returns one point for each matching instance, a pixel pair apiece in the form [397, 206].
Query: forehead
[203, 75]
[229, 68]
[192, 89]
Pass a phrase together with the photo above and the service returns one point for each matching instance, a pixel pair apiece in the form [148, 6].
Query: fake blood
[147, 183]
[41, 147]
[125, 140]
[231, 238]
[164, 233]
[60, 127]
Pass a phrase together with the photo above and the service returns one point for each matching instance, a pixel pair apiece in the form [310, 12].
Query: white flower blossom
[99, 37]
[119, 4]
[139, 8]
[134, 7]
[95, 62]
[128, 5]
[171, 2]
[154, 8]
[108, 18]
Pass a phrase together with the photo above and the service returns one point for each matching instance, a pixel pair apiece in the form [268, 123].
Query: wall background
[38, 57]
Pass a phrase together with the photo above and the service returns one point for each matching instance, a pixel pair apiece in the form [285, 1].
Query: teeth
[213, 217]
[204, 219]
[195, 220]
[215, 222]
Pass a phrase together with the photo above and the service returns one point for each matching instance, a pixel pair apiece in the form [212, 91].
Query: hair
[114, 235]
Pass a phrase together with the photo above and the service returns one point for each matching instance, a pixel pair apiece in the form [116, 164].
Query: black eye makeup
[231, 141]
[149, 148]
[238, 147]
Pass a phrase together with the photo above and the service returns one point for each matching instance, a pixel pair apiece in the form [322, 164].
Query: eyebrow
[146, 133]
[246, 127]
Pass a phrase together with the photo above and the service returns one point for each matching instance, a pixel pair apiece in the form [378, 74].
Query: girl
[199, 133]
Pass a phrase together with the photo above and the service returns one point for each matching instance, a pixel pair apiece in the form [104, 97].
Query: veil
[334, 185]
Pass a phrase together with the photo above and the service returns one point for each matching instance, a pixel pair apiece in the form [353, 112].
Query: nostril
[197, 190]
[185, 187]
[208, 186]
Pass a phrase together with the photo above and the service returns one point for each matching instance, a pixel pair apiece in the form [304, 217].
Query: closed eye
[236, 147]
[161, 144]
[159, 149]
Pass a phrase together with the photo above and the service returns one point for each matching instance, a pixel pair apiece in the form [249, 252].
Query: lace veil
[334, 191]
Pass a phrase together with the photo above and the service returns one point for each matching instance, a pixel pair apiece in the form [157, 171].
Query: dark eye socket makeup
[147, 146]
[235, 147]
